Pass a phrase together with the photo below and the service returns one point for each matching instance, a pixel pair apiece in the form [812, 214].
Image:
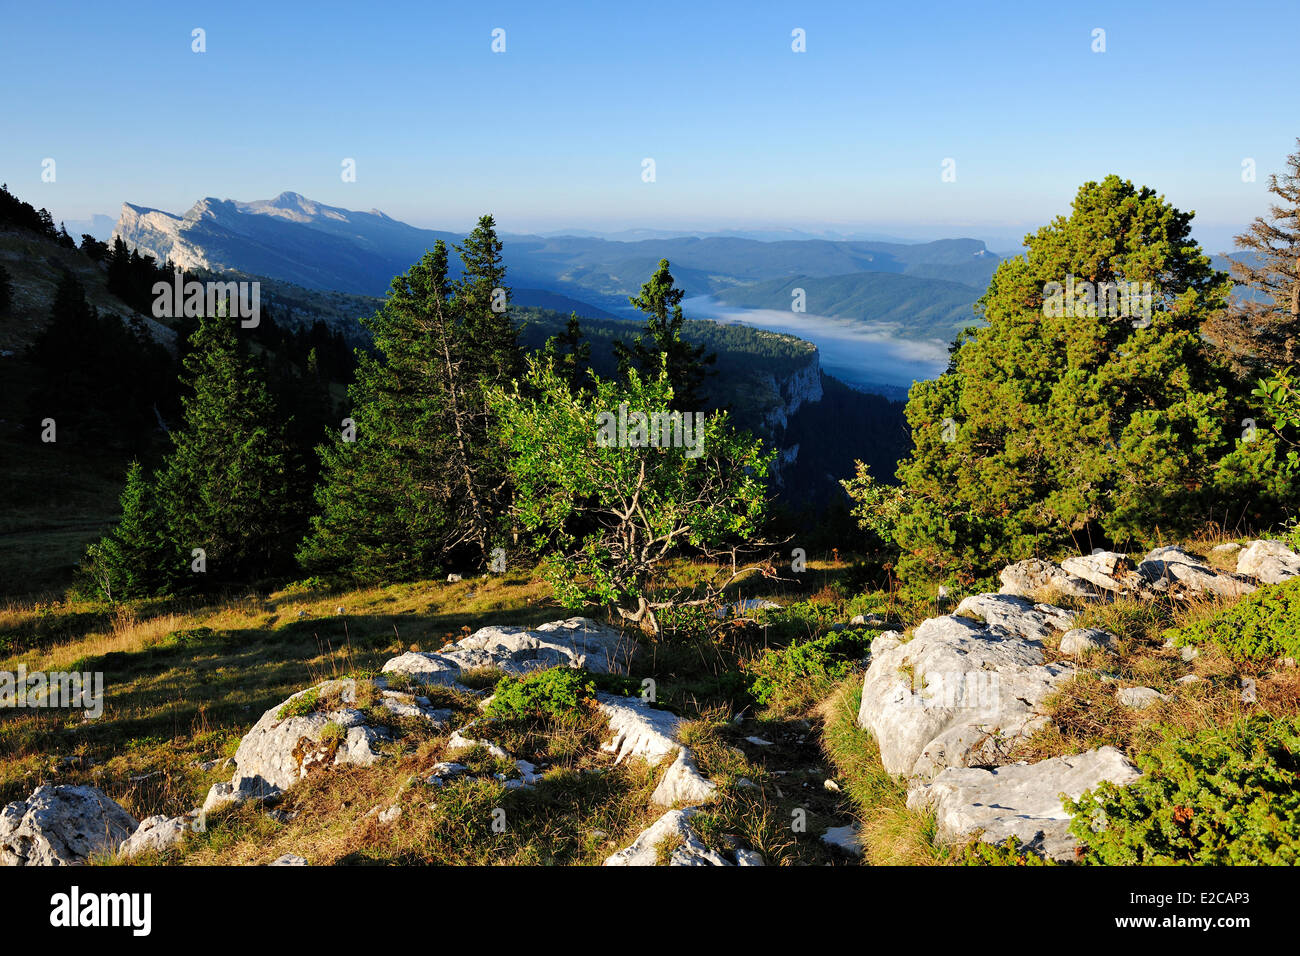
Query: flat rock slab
[156, 833]
[62, 825]
[1020, 800]
[958, 694]
[1083, 640]
[844, 838]
[1173, 565]
[1108, 570]
[1139, 698]
[1008, 615]
[575, 642]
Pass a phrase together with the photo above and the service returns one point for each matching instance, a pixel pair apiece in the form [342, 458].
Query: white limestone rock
[1033, 576]
[1172, 564]
[1107, 570]
[644, 850]
[575, 642]
[886, 642]
[1008, 615]
[458, 741]
[1019, 800]
[62, 825]
[1139, 698]
[279, 751]
[957, 694]
[156, 833]
[845, 838]
[444, 771]
[683, 783]
[1269, 562]
[639, 729]
[1083, 640]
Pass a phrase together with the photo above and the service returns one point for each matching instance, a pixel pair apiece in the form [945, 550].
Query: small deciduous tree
[607, 512]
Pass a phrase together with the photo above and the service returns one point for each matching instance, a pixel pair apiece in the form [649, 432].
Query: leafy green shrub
[782, 674]
[1224, 796]
[1007, 853]
[800, 618]
[189, 637]
[1291, 534]
[557, 693]
[618, 684]
[1261, 627]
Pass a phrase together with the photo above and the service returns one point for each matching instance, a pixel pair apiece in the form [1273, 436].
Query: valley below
[867, 356]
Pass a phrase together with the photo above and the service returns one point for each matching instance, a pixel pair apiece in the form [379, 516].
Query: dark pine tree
[687, 364]
[225, 487]
[133, 560]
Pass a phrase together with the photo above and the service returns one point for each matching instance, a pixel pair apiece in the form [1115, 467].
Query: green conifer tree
[686, 364]
[1068, 423]
[225, 486]
[133, 560]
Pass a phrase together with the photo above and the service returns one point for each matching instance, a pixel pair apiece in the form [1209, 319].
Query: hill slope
[912, 307]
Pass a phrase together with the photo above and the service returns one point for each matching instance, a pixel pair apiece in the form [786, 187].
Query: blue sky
[743, 131]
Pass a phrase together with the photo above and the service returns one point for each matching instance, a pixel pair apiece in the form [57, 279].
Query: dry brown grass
[1086, 712]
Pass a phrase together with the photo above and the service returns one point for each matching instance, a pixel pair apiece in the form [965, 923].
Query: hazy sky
[552, 133]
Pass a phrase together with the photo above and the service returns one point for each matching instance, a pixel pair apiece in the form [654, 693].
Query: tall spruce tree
[687, 364]
[225, 487]
[387, 499]
[482, 307]
[423, 485]
[479, 346]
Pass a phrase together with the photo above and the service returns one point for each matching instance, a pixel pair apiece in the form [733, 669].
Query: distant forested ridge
[908, 306]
